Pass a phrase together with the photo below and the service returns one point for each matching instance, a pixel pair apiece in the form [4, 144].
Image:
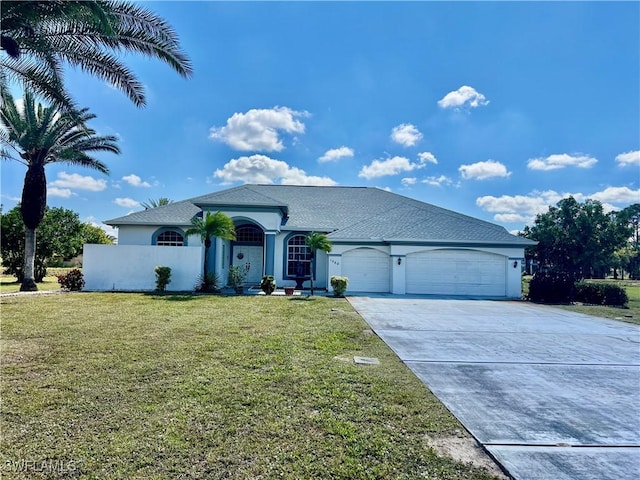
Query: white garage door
[367, 270]
[456, 272]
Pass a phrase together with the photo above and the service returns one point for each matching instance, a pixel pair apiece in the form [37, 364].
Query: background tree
[317, 241]
[154, 203]
[39, 136]
[96, 235]
[212, 225]
[629, 220]
[577, 239]
[40, 37]
[61, 235]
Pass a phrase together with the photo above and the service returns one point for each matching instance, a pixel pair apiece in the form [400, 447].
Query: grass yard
[9, 284]
[114, 386]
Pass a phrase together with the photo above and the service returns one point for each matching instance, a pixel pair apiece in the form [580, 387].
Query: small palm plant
[317, 241]
[212, 225]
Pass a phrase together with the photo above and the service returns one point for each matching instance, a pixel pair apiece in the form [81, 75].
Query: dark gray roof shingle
[345, 213]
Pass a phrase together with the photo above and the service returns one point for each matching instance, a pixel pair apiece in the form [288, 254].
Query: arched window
[170, 238]
[298, 257]
[249, 234]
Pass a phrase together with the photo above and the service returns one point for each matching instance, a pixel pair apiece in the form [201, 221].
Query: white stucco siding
[143, 234]
[132, 267]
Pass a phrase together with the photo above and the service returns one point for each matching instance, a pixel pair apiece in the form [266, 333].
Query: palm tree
[41, 135]
[317, 241]
[154, 203]
[40, 37]
[213, 225]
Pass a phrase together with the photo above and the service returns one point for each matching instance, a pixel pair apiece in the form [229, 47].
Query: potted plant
[268, 284]
[237, 274]
[289, 290]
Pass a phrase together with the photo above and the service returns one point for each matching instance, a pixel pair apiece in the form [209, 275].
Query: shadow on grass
[175, 297]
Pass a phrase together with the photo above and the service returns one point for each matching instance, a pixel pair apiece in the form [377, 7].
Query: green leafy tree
[155, 203]
[40, 37]
[317, 241]
[212, 225]
[61, 235]
[37, 136]
[577, 239]
[629, 219]
[96, 235]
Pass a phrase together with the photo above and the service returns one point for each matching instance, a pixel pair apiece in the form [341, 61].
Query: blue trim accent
[156, 234]
[270, 254]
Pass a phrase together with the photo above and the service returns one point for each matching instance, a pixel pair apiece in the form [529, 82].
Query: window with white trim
[170, 238]
[298, 257]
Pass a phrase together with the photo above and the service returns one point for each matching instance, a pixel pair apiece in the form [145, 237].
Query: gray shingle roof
[345, 213]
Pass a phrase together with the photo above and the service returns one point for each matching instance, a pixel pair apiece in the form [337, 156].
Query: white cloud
[427, 157]
[438, 181]
[628, 158]
[524, 208]
[126, 202]
[59, 192]
[262, 169]
[258, 129]
[135, 181]
[617, 195]
[561, 160]
[409, 181]
[390, 166]
[78, 182]
[465, 96]
[483, 170]
[406, 134]
[336, 154]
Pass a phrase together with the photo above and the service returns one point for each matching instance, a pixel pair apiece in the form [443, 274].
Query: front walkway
[549, 393]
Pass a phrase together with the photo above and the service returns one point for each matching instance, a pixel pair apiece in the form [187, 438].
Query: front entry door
[249, 257]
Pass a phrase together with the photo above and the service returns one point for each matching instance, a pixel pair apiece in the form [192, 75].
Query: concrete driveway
[549, 393]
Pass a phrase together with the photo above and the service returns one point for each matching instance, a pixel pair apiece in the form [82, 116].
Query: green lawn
[9, 284]
[114, 386]
[629, 314]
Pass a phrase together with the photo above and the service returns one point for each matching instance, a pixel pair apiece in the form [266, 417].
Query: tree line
[583, 241]
[61, 236]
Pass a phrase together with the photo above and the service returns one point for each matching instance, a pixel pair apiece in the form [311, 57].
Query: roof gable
[345, 213]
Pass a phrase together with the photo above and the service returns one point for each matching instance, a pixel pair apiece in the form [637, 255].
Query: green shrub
[339, 285]
[600, 293]
[589, 292]
[208, 283]
[551, 287]
[268, 284]
[72, 281]
[163, 278]
[614, 295]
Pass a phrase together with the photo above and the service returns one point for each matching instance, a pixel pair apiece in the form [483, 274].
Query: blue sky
[496, 110]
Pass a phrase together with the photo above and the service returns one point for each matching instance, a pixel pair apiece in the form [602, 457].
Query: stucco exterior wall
[131, 267]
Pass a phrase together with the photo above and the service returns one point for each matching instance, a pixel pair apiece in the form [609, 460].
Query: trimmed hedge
[551, 288]
[600, 293]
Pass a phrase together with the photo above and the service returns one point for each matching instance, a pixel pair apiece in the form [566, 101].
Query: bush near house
[551, 287]
[339, 285]
[163, 277]
[72, 281]
[600, 293]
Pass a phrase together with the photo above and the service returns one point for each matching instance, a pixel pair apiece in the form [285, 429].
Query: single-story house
[383, 242]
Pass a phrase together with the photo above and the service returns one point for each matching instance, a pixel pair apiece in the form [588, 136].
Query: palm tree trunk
[29, 281]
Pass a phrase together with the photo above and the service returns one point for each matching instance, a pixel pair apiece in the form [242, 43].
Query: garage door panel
[367, 270]
[456, 272]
